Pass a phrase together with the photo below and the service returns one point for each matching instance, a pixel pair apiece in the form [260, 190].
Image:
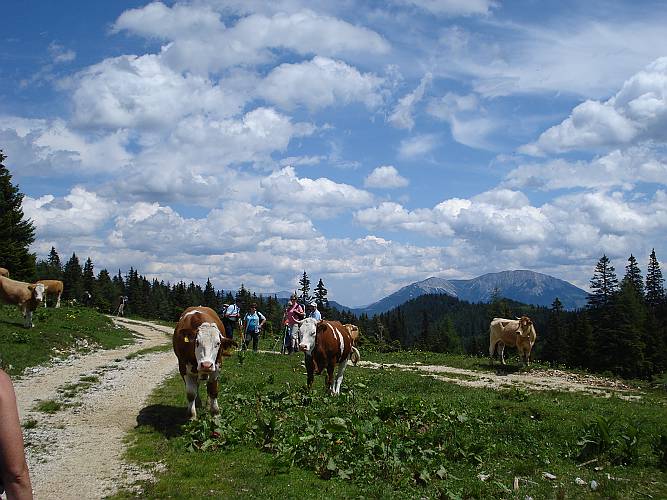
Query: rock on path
[76, 452]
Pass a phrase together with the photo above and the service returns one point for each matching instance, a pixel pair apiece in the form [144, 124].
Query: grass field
[57, 333]
[395, 434]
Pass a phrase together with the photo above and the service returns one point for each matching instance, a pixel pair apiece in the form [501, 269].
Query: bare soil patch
[76, 451]
[549, 380]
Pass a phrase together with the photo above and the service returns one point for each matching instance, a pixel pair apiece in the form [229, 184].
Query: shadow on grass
[166, 419]
[500, 369]
[9, 322]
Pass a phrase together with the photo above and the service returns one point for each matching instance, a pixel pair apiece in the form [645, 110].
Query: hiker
[14, 474]
[254, 321]
[231, 317]
[293, 314]
[312, 311]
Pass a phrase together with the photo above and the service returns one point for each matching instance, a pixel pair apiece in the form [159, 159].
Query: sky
[370, 144]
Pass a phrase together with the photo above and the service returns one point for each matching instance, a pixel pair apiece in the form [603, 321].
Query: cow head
[208, 342]
[524, 326]
[307, 330]
[37, 291]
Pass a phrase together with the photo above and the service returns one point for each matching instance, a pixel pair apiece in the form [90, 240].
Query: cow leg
[339, 376]
[310, 369]
[329, 379]
[191, 386]
[501, 350]
[212, 391]
[58, 301]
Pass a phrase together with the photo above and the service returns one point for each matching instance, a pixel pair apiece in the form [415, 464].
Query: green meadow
[395, 434]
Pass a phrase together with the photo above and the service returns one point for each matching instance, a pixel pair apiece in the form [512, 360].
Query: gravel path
[76, 452]
[544, 380]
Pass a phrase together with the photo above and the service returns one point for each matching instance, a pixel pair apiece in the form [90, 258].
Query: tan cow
[354, 335]
[199, 344]
[26, 296]
[519, 333]
[4, 272]
[52, 287]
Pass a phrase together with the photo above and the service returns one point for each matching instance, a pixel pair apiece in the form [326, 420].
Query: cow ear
[227, 343]
[31, 287]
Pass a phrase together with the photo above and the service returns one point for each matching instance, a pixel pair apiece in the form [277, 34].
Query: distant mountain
[279, 295]
[523, 286]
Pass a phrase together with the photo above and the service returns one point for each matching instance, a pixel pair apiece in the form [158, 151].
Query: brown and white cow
[326, 344]
[519, 333]
[26, 296]
[52, 287]
[4, 272]
[199, 344]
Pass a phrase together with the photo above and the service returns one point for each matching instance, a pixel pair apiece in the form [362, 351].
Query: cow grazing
[326, 344]
[26, 296]
[199, 344]
[519, 333]
[52, 287]
[4, 272]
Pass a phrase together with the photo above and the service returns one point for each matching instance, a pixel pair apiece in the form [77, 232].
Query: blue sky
[371, 144]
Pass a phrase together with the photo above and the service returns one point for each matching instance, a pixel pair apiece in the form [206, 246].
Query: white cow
[26, 296]
[519, 333]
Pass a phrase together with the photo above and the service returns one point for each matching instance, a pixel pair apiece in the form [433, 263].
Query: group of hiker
[252, 322]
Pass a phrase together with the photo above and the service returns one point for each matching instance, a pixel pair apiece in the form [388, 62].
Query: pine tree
[210, 298]
[73, 279]
[628, 333]
[17, 232]
[604, 284]
[304, 283]
[655, 291]
[633, 276]
[555, 342]
[89, 284]
[106, 292]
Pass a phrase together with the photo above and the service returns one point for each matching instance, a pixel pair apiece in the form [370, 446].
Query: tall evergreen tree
[88, 282]
[633, 276]
[304, 284]
[655, 291]
[604, 284]
[73, 279]
[18, 233]
[210, 298]
[106, 294]
[555, 348]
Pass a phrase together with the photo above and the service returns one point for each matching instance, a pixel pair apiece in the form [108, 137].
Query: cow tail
[354, 355]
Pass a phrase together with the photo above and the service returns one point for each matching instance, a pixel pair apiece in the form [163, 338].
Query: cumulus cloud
[617, 169]
[141, 92]
[419, 145]
[78, 214]
[321, 197]
[385, 177]
[199, 41]
[52, 148]
[638, 112]
[319, 83]
[401, 116]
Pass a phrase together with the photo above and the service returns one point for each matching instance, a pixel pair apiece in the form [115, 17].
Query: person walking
[14, 474]
[313, 312]
[293, 314]
[254, 321]
[231, 317]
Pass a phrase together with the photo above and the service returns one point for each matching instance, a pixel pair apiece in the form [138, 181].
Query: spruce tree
[107, 292]
[604, 284]
[655, 291]
[633, 276]
[304, 283]
[210, 298]
[88, 282]
[73, 279]
[18, 233]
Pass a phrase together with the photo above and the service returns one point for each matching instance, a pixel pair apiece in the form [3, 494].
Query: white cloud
[619, 168]
[419, 145]
[199, 42]
[60, 54]
[81, 213]
[638, 112]
[452, 7]
[321, 197]
[131, 91]
[401, 116]
[385, 177]
[319, 83]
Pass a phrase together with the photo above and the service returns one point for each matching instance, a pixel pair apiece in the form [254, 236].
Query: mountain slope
[524, 286]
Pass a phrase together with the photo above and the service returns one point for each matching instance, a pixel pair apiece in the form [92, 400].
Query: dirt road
[76, 451]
